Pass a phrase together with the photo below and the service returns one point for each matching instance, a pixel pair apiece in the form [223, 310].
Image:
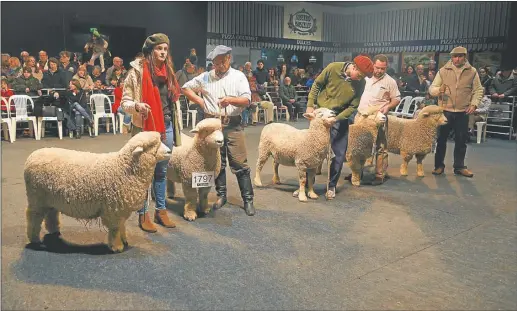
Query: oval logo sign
[302, 23]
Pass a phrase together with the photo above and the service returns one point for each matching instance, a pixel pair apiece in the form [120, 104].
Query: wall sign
[310, 41]
[303, 21]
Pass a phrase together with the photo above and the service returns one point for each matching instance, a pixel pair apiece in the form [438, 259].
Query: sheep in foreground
[362, 136]
[304, 149]
[86, 186]
[409, 137]
[199, 154]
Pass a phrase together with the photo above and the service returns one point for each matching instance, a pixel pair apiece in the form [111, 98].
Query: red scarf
[151, 96]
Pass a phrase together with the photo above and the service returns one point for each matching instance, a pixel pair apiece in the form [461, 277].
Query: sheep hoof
[257, 182]
[312, 195]
[356, 183]
[295, 194]
[276, 181]
[403, 172]
[190, 215]
[420, 174]
[117, 248]
[302, 197]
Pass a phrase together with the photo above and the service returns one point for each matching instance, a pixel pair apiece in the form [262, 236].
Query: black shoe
[220, 188]
[244, 179]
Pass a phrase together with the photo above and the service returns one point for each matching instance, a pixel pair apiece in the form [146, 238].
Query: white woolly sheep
[409, 137]
[304, 149]
[86, 186]
[362, 136]
[200, 154]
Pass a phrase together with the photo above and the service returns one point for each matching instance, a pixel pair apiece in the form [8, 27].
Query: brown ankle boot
[145, 223]
[161, 217]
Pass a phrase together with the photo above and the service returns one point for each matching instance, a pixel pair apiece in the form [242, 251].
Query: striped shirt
[378, 92]
[212, 88]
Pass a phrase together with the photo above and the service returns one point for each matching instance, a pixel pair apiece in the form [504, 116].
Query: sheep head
[210, 131]
[370, 114]
[324, 115]
[150, 146]
[434, 113]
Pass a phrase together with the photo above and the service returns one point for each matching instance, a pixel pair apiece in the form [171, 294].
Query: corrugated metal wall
[447, 21]
[245, 18]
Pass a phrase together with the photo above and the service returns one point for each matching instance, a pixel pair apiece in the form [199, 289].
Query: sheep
[199, 154]
[409, 137]
[87, 186]
[304, 149]
[362, 136]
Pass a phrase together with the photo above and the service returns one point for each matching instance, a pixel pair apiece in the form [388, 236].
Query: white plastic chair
[481, 131]
[20, 102]
[191, 113]
[97, 102]
[6, 119]
[400, 107]
[407, 112]
[41, 125]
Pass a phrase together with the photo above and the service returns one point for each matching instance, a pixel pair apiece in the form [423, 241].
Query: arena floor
[434, 243]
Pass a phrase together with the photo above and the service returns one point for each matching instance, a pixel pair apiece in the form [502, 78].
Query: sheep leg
[189, 210]
[123, 235]
[406, 157]
[276, 178]
[203, 199]
[369, 161]
[115, 242]
[419, 165]
[318, 170]
[356, 166]
[52, 221]
[34, 219]
[310, 182]
[302, 176]
[262, 159]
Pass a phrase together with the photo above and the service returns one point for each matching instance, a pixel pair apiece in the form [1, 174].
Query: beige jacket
[464, 87]
[132, 94]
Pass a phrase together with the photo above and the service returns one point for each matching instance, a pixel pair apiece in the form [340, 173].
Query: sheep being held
[86, 186]
[409, 137]
[304, 149]
[362, 137]
[199, 154]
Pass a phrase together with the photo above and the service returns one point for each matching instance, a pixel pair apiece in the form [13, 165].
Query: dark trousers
[294, 108]
[459, 121]
[339, 143]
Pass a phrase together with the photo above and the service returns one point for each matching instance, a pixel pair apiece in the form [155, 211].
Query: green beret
[154, 40]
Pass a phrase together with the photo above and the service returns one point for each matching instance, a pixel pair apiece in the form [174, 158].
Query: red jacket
[7, 94]
[118, 96]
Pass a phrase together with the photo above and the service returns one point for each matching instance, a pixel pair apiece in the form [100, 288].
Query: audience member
[54, 77]
[27, 84]
[289, 99]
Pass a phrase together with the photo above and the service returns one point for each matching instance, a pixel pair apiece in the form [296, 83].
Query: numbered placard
[203, 179]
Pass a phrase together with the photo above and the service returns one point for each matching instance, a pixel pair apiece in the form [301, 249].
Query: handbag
[53, 111]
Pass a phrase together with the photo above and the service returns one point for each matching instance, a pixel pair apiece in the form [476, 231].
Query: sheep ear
[309, 115]
[138, 151]
[194, 130]
[425, 114]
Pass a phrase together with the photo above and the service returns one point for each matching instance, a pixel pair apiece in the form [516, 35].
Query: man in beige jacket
[459, 92]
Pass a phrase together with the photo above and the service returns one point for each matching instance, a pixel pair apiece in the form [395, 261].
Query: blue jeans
[160, 174]
[127, 116]
[339, 143]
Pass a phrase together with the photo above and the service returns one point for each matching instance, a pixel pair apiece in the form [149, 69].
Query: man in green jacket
[339, 87]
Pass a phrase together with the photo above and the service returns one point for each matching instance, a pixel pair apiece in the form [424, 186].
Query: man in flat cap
[225, 93]
[339, 87]
[459, 92]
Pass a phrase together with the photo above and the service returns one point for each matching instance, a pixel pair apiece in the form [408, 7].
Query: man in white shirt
[381, 91]
[225, 93]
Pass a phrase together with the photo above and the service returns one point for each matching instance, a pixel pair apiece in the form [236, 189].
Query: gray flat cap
[219, 50]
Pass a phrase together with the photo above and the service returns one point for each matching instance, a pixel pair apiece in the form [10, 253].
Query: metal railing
[501, 116]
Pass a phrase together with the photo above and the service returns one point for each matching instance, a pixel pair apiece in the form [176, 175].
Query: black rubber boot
[220, 188]
[243, 177]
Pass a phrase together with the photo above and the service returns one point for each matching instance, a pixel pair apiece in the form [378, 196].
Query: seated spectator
[26, 84]
[24, 57]
[5, 64]
[116, 108]
[272, 77]
[417, 83]
[36, 73]
[504, 84]
[6, 93]
[260, 73]
[15, 70]
[118, 63]
[84, 79]
[97, 74]
[289, 98]
[43, 61]
[68, 68]
[486, 79]
[480, 114]
[186, 74]
[98, 87]
[54, 78]
[247, 70]
[310, 81]
[257, 102]
[113, 82]
[200, 70]
[78, 109]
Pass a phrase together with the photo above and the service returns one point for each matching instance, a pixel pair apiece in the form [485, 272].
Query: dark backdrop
[35, 26]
